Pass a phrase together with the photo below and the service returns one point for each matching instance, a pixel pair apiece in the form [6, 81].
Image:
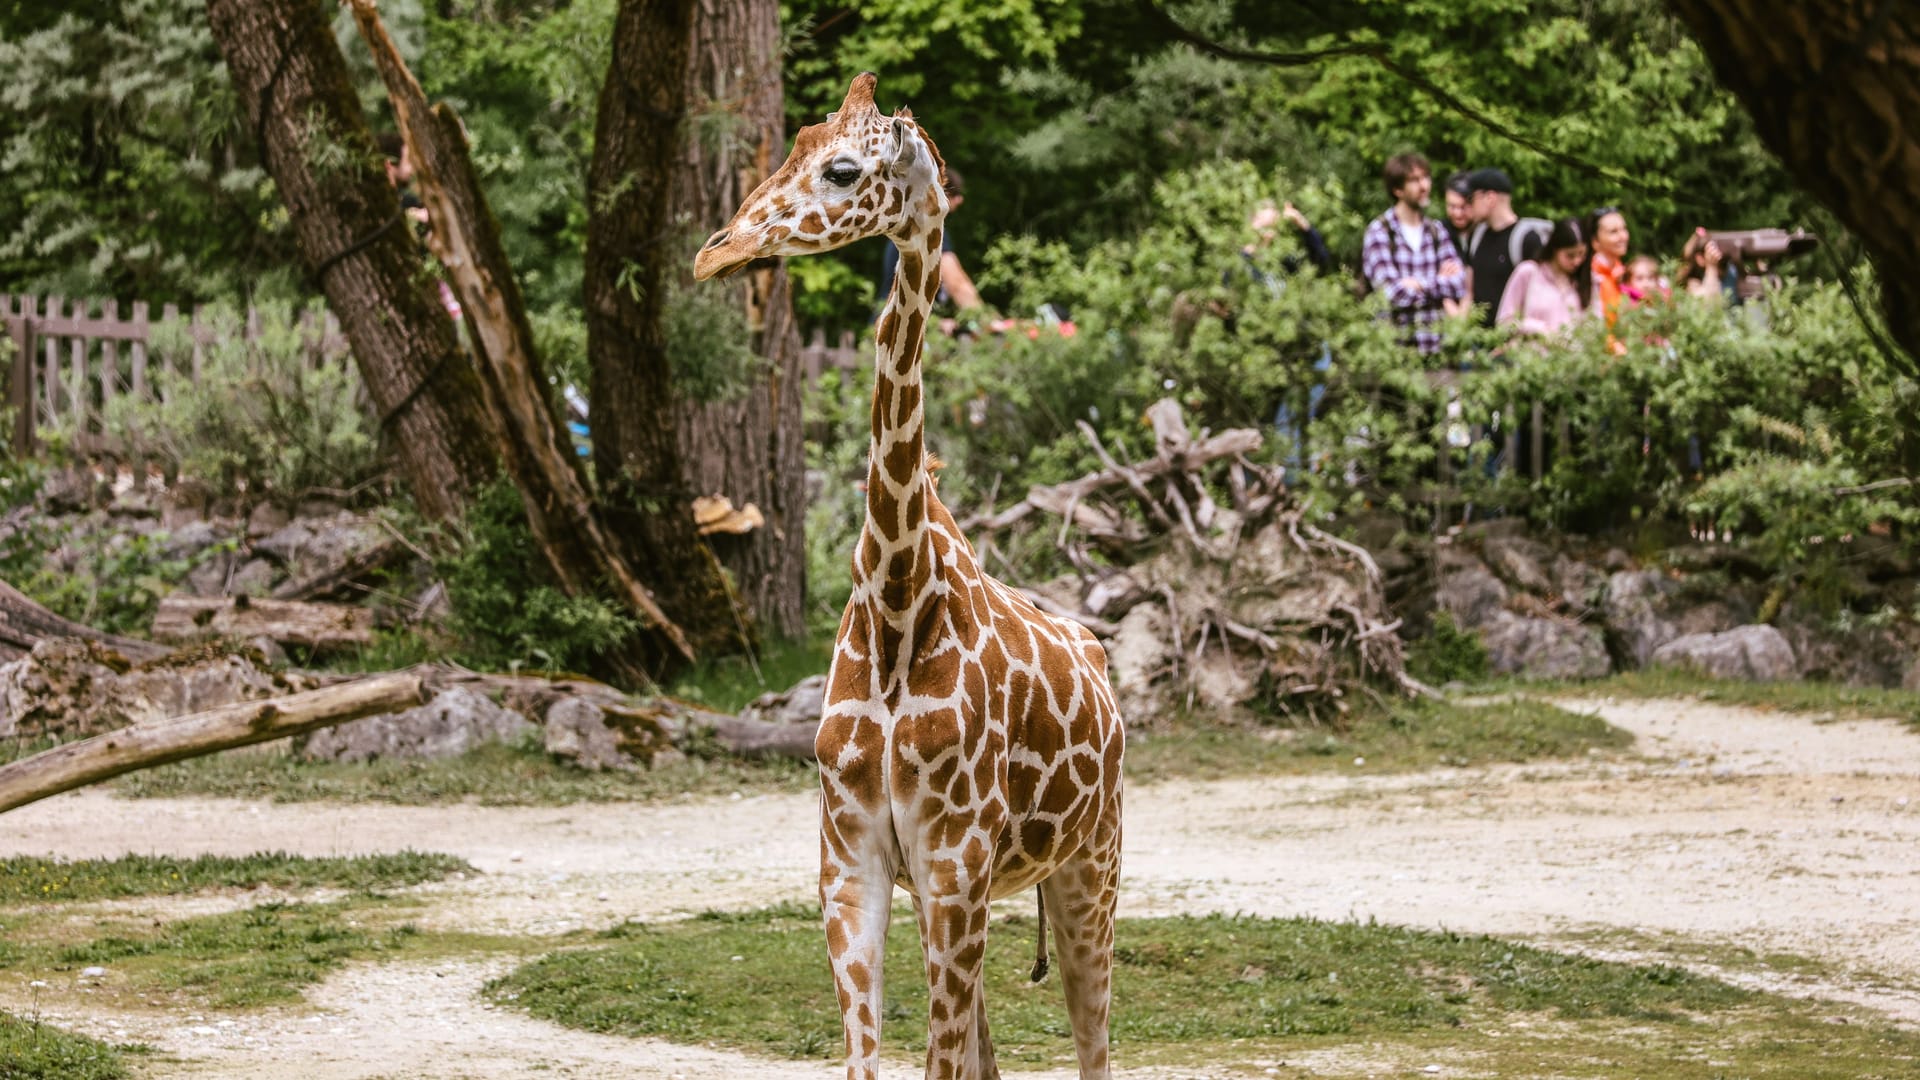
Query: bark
[1834, 90]
[537, 453]
[144, 746]
[749, 447]
[298, 101]
[24, 624]
[632, 258]
[318, 627]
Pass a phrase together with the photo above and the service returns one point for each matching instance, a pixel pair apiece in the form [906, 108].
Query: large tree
[299, 103]
[632, 260]
[1834, 89]
[744, 441]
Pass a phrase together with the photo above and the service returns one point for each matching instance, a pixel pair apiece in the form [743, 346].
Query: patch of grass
[30, 1050]
[1842, 702]
[1186, 987]
[730, 683]
[490, 775]
[25, 879]
[1449, 653]
[1406, 736]
[259, 956]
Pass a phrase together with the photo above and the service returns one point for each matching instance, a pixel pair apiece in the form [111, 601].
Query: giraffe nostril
[719, 238]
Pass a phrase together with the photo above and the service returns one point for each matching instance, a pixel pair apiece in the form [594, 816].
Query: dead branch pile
[1235, 604]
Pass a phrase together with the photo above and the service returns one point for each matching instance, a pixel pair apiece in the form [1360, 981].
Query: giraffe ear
[902, 148]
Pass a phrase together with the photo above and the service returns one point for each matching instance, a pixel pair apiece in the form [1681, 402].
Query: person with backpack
[1501, 239]
[1407, 256]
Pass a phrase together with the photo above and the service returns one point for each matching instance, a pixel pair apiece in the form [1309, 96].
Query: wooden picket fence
[817, 357]
[71, 359]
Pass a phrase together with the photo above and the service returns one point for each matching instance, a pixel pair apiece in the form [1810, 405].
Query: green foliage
[1448, 653]
[31, 1050]
[507, 611]
[126, 171]
[493, 774]
[269, 415]
[729, 683]
[29, 880]
[100, 577]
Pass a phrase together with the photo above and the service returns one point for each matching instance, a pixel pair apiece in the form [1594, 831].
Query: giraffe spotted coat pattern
[970, 747]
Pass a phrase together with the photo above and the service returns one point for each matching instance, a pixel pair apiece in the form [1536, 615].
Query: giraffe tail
[1040, 941]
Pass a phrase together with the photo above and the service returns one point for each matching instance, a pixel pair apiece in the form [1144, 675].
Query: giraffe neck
[898, 487]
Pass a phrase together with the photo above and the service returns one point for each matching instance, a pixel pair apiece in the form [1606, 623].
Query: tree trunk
[631, 257]
[143, 746]
[748, 447]
[1834, 89]
[536, 452]
[299, 104]
[24, 624]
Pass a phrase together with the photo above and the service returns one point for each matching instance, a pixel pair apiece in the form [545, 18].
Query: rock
[1543, 648]
[310, 545]
[1616, 560]
[210, 577]
[1468, 591]
[1754, 653]
[800, 704]
[266, 519]
[1520, 562]
[72, 688]
[188, 540]
[1861, 656]
[1577, 583]
[254, 578]
[1632, 604]
[454, 722]
[577, 731]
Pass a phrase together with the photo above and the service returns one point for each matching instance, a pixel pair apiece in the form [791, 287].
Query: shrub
[268, 414]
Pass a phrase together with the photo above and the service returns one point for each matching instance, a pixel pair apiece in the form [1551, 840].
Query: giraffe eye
[842, 175]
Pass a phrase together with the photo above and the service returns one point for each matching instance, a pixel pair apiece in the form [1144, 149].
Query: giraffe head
[860, 174]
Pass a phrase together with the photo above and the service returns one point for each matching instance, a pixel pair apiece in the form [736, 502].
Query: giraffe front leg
[1080, 899]
[856, 901]
[953, 935]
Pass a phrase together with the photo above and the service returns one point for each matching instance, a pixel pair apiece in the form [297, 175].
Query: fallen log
[145, 745]
[316, 626]
[24, 624]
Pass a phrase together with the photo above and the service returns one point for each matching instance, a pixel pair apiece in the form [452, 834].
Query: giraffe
[969, 747]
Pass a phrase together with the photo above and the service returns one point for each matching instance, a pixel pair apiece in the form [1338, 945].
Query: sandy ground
[1731, 827]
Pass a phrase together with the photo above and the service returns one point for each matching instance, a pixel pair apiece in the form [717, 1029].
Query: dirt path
[1737, 827]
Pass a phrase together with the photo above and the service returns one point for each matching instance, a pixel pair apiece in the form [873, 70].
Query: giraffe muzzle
[725, 253]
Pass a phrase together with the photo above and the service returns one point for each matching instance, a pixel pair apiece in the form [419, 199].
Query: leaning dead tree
[145, 745]
[1234, 603]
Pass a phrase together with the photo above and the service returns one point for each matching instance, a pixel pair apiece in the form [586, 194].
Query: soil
[1729, 827]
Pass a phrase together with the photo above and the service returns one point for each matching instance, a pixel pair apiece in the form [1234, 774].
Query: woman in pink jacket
[1552, 290]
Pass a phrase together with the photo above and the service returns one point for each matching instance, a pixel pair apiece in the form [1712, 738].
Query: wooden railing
[817, 358]
[72, 359]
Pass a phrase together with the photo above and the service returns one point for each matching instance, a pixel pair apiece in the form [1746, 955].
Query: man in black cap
[1501, 239]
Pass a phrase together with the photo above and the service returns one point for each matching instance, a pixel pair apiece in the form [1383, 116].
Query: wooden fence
[72, 359]
[817, 357]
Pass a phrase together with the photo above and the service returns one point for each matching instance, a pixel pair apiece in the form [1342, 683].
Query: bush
[507, 611]
[1794, 412]
[268, 415]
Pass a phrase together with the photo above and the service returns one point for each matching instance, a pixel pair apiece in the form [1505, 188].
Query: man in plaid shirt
[1410, 259]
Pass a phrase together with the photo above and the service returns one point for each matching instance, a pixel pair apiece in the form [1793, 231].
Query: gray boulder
[800, 704]
[1543, 648]
[1753, 653]
[1520, 562]
[454, 722]
[1468, 591]
[308, 545]
[1633, 604]
[577, 731]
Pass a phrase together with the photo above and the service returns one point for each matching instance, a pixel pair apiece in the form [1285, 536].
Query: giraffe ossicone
[969, 747]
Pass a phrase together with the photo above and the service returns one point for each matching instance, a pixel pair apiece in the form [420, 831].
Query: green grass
[490, 775]
[1185, 988]
[35, 1051]
[25, 880]
[1841, 702]
[1403, 737]
[730, 683]
[1407, 736]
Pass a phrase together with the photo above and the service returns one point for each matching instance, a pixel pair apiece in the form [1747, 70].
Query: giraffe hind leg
[1080, 898]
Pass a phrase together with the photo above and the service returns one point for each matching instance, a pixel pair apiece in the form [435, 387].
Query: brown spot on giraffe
[970, 746]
